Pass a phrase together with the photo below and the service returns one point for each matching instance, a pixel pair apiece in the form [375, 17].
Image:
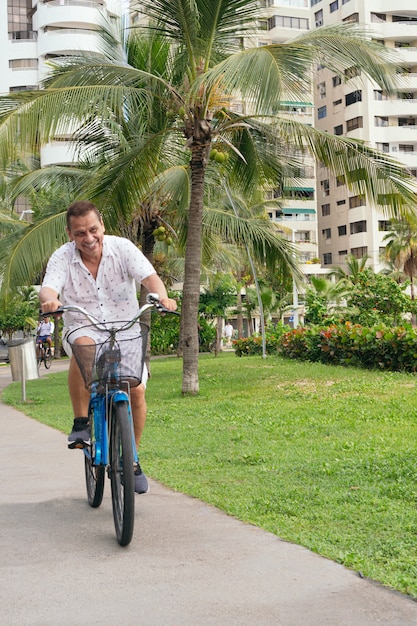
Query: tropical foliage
[149, 157]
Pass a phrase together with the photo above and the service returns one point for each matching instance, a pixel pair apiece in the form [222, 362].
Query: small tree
[377, 298]
[214, 301]
[19, 312]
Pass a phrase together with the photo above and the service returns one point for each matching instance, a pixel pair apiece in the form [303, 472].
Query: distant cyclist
[44, 332]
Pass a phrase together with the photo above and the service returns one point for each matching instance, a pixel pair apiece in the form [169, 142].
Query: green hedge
[393, 349]
[381, 347]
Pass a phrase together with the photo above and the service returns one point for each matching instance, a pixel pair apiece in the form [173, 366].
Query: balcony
[61, 13]
[408, 7]
[398, 31]
[62, 42]
[59, 153]
[395, 134]
[408, 55]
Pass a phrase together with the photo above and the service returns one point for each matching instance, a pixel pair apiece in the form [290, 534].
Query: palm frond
[24, 254]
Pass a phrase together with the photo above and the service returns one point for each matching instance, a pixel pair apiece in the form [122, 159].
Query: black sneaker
[141, 482]
[80, 436]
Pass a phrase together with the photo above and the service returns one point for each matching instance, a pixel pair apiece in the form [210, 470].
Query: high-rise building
[284, 20]
[353, 107]
[33, 32]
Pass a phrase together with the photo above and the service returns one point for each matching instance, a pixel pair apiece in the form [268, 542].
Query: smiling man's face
[87, 232]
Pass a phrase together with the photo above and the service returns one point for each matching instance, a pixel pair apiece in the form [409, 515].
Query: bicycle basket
[112, 362]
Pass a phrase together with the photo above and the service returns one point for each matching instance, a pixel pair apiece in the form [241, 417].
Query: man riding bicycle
[44, 332]
[99, 273]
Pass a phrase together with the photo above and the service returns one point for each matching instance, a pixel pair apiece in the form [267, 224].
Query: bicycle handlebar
[152, 301]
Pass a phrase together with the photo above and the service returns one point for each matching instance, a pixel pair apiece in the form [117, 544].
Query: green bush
[253, 345]
[393, 349]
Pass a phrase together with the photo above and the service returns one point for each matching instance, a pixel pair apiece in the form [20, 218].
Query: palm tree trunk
[191, 291]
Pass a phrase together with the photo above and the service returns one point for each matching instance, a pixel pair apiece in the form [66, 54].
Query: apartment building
[33, 32]
[349, 106]
[284, 20]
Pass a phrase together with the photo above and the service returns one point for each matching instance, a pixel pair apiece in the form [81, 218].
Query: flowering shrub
[351, 344]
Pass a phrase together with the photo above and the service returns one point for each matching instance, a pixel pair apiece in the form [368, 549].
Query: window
[382, 147]
[405, 147]
[327, 258]
[342, 230]
[380, 121]
[322, 112]
[384, 225]
[338, 130]
[356, 201]
[321, 88]
[23, 64]
[359, 253]
[325, 210]
[340, 202]
[297, 23]
[406, 121]
[314, 2]
[354, 123]
[20, 19]
[353, 96]
[327, 233]
[358, 227]
[352, 72]
[318, 18]
[340, 181]
[334, 6]
[380, 95]
[342, 253]
[378, 17]
[337, 102]
[336, 80]
[345, 1]
[325, 186]
[352, 19]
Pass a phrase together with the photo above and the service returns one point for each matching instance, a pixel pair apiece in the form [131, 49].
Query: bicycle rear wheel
[94, 474]
[48, 358]
[121, 473]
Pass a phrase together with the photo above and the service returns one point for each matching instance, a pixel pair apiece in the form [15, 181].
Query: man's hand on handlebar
[49, 306]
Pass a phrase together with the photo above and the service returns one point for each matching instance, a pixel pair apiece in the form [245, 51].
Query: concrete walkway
[188, 563]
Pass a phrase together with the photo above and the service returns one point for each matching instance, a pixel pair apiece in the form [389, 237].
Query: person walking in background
[228, 333]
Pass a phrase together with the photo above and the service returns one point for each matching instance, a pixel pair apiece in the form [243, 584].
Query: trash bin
[22, 356]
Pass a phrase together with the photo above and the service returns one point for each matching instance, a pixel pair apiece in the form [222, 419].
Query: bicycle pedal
[78, 445]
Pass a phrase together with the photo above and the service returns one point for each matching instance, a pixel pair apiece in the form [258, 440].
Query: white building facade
[353, 107]
[284, 20]
[33, 32]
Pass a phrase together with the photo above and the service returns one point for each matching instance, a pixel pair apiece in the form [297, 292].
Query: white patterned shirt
[109, 297]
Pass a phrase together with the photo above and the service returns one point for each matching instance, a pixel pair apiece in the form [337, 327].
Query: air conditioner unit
[394, 149]
[319, 23]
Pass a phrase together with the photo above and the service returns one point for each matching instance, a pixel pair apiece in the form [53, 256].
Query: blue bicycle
[110, 367]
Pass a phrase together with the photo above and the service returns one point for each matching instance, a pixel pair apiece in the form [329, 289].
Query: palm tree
[209, 71]
[401, 250]
[354, 267]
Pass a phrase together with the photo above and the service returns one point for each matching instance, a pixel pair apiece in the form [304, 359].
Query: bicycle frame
[101, 408]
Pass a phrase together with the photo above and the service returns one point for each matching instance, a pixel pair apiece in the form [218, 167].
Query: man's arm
[49, 300]
[155, 285]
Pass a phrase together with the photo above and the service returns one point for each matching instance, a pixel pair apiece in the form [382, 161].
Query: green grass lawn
[321, 456]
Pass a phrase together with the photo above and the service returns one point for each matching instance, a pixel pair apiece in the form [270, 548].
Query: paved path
[188, 564]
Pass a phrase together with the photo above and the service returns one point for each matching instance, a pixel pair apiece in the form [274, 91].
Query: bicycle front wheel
[94, 474]
[121, 473]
